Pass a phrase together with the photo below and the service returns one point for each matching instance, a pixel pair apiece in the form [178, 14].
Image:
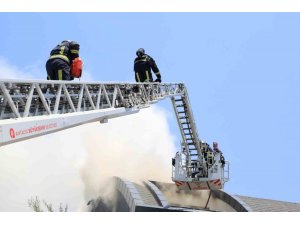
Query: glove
[158, 80]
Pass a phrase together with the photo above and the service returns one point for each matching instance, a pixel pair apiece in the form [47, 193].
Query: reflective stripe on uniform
[62, 49]
[60, 57]
[59, 74]
[157, 73]
[138, 77]
[74, 51]
[140, 60]
[147, 75]
[49, 78]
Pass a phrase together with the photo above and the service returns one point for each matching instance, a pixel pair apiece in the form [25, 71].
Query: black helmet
[140, 52]
[66, 41]
[74, 45]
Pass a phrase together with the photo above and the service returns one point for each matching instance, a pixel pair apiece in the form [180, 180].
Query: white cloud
[9, 71]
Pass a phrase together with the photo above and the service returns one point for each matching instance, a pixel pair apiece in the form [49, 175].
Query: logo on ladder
[12, 133]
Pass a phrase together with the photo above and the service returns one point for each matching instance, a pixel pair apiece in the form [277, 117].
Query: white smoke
[71, 166]
[137, 147]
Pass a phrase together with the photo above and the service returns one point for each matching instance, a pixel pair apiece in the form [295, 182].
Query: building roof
[153, 196]
[268, 205]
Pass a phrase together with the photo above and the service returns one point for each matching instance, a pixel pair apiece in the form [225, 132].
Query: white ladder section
[31, 108]
[188, 129]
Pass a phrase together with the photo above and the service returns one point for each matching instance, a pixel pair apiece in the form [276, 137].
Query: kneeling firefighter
[64, 62]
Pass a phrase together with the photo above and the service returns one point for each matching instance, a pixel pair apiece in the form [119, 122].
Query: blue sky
[241, 70]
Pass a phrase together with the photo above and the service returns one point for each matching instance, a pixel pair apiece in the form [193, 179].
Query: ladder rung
[183, 117]
[185, 122]
[193, 154]
[190, 143]
[181, 112]
[178, 100]
[180, 105]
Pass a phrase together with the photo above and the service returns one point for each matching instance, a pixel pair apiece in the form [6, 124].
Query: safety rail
[226, 171]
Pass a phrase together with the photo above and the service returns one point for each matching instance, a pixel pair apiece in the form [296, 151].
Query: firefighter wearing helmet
[143, 64]
[64, 62]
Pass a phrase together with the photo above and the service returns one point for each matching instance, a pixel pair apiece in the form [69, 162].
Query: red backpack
[76, 68]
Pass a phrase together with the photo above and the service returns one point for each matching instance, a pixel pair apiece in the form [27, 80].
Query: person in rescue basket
[143, 64]
[64, 62]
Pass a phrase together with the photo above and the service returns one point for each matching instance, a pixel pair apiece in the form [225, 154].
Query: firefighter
[217, 150]
[143, 64]
[210, 155]
[58, 65]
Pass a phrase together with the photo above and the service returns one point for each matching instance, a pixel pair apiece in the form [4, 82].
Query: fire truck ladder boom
[31, 108]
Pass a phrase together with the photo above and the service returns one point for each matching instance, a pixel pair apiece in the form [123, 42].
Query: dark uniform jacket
[61, 57]
[142, 69]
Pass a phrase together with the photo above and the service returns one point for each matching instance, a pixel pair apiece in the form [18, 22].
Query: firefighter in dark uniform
[61, 58]
[143, 64]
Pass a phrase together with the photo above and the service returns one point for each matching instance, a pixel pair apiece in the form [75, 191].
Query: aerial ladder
[197, 166]
[31, 108]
